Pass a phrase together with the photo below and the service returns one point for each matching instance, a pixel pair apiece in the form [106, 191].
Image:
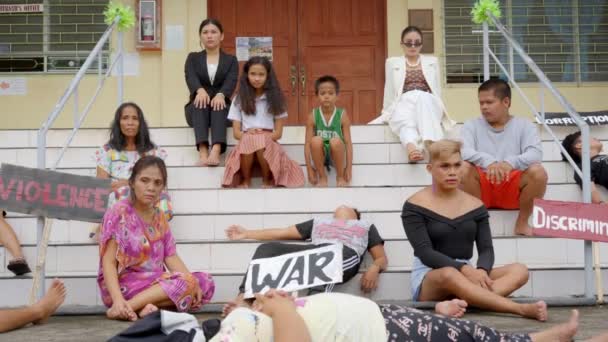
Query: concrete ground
[96, 328]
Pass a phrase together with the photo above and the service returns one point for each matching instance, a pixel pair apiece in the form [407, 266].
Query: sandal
[18, 266]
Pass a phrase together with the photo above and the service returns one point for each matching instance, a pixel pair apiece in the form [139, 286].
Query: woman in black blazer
[211, 76]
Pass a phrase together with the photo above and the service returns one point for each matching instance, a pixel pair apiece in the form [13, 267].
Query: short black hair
[211, 21]
[410, 29]
[568, 144]
[327, 79]
[500, 87]
[357, 213]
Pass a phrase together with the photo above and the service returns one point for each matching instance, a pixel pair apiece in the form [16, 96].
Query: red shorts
[500, 196]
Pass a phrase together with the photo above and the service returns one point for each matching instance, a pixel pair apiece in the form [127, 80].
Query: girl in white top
[258, 115]
[412, 97]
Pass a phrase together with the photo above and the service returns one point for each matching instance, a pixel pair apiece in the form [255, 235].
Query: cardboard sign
[295, 271]
[53, 194]
[563, 119]
[31, 8]
[570, 220]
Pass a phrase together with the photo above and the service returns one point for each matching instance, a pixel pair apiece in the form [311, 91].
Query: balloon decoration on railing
[479, 11]
[126, 14]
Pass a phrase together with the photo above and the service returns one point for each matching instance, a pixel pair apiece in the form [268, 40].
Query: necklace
[412, 65]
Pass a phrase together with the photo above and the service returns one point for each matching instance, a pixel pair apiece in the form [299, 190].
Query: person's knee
[316, 142]
[335, 143]
[520, 273]
[266, 249]
[447, 276]
[469, 171]
[536, 174]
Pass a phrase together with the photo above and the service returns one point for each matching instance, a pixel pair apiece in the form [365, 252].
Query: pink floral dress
[142, 250]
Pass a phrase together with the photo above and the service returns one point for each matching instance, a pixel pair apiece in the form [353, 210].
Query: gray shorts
[419, 271]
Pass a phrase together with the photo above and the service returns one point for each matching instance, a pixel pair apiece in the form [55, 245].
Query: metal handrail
[585, 173]
[79, 117]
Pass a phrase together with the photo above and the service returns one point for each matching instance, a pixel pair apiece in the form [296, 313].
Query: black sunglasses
[410, 44]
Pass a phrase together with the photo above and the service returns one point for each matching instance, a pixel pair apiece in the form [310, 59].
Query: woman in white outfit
[412, 97]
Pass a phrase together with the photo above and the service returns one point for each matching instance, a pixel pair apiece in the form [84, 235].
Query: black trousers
[350, 261]
[407, 324]
[205, 119]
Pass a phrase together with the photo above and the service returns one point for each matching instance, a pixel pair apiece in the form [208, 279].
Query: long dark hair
[277, 104]
[144, 163]
[142, 139]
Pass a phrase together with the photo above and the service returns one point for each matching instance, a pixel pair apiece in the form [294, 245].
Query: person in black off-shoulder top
[443, 223]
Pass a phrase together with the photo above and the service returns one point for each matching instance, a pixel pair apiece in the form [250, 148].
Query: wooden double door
[311, 38]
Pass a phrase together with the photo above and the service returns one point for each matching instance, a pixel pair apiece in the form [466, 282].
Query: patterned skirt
[285, 172]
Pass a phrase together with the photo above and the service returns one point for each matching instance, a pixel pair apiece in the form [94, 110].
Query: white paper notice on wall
[174, 37]
[247, 47]
[13, 86]
[130, 66]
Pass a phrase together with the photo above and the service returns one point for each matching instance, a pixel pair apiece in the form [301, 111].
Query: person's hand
[218, 102]
[348, 173]
[255, 131]
[313, 176]
[478, 277]
[202, 98]
[369, 281]
[121, 309]
[499, 172]
[197, 301]
[236, 232]
[119, 184]
[274, 302]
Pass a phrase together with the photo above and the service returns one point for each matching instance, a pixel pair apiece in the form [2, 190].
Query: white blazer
[395, 73]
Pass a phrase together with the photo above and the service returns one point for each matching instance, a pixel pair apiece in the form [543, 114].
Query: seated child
[328, 136]
[599, 163]
[258, 115]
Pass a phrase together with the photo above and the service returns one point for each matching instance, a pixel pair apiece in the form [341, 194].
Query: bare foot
[523, 229]
[560, 333]
[322, 182]
[267, 183]
[536, 311]
[600, 338]
[451, 308]
[148, 309]
[245, 184]
[237, 302]
[214, 156]
[203, 156]
[51, 301]
[340, 182]
[414, 154]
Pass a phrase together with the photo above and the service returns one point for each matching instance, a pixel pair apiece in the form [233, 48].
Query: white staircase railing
[79, 117]
[545, 83]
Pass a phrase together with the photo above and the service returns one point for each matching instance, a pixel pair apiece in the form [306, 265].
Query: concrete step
[83, 290]
[368, 153]
[210, 227]
[233, 257]
[184, 136]
[364, 175]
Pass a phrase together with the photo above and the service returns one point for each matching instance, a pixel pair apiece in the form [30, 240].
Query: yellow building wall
[160, 89]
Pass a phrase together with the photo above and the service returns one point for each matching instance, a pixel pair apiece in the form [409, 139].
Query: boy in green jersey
[328, 139]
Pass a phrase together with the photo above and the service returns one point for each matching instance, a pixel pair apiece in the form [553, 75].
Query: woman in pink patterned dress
[139, 269]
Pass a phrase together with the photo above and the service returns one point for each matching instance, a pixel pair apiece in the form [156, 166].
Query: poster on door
[247, 47]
